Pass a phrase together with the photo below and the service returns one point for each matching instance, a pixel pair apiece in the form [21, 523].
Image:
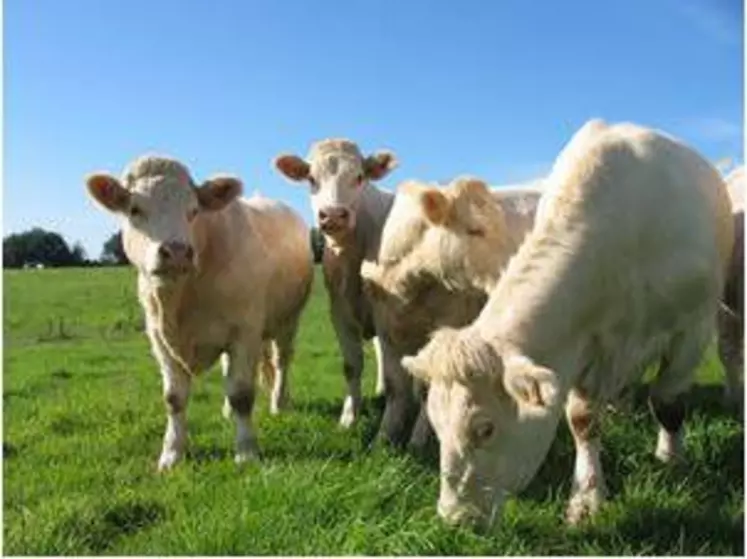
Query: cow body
[243, 276]
[350, 212]
[433, 272]
[624, 267]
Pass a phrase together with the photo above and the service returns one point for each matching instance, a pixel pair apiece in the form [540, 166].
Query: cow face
[160, 208]
[336, 173]
[495, 416]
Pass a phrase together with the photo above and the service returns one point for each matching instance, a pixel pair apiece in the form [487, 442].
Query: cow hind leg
[176, 386]
[676, 373]
[280, 358]
[588, 490]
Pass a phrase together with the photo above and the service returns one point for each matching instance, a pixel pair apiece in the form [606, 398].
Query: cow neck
[540, 304]
[166, 302]
[373, 211]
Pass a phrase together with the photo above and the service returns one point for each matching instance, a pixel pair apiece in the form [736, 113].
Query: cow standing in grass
[350, 212]
[624, 266]
[731, 317]
[217, 275]
[442, 251]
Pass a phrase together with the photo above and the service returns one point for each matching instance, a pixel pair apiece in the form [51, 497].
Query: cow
[731, 315]
[442, 250]
[350, 212]
[624, 267]
[218, 276]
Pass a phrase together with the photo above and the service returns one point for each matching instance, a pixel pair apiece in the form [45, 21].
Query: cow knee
[242, 401]
[175, 402]
[670, 415]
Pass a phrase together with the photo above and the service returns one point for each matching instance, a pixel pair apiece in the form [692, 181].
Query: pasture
[83, 421]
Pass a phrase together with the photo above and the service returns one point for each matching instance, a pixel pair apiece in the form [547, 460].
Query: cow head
[160, 210]
[495, 413]
[337, 174]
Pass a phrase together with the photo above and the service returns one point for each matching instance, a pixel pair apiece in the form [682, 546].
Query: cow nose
[334, 215]
[175, 252]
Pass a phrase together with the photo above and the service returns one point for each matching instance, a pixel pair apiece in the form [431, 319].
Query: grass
[83, 421]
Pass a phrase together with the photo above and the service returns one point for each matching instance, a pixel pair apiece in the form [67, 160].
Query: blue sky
[492, 88]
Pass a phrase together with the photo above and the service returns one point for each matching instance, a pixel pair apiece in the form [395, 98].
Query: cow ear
[530, 384]
[292, 167]
[217, 192]
[108, 192]
[436, 206]
[416, 366]
[379, 164]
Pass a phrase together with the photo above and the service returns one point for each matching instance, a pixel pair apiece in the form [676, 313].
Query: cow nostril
[189, 253]
[322, 215]
[164, 252]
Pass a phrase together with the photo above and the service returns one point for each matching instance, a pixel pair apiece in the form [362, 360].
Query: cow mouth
[171, 272]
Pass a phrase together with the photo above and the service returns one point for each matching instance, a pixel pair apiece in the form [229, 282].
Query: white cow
[624, 267]
[442, 250]
[217, 275]
[350, 211]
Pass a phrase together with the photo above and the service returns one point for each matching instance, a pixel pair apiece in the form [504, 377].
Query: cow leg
[401, 406]
[240, 391]
[676, 374]
[351, 347]
[731, 351]
[281, 357]
[423, 435]
[380, 388]
[588, 491]
[176, 385]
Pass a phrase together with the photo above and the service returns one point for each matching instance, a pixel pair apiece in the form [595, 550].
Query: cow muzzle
[174, 258]
[333, 220]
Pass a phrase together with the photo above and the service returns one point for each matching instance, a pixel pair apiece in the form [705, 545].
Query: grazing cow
[731, 315]
[350, 212]
[624, 265]
[217, 274]
[442, 250]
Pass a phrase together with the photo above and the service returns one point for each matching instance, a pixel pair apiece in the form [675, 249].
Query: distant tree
[317, 244]
[113, 250]
[39, 246]
[79, 254]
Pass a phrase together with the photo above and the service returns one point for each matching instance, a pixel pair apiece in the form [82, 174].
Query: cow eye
[313, 183]
[476, 232]
[135, 211]
[359, 179]
[483, 431]
[191, 214]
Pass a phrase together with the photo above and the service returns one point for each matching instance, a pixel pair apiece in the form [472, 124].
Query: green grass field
[83, 421]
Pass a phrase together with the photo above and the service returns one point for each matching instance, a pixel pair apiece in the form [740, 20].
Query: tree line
[41, 248]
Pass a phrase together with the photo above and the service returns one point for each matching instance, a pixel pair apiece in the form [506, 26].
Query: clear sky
[492, 88]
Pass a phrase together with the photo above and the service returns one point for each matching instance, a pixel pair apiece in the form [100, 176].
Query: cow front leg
[588, 491]
[176, 386]
[380, 379]
[351, 346]
[240, 391]
[401, 406]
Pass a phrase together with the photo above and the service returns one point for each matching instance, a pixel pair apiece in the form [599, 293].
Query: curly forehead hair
[337, 146]
[153, 166]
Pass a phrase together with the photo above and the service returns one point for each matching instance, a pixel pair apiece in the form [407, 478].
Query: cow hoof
[246, 457]
[347, 420]
[277, 407]
[581, 508]
[669, 448]
[168, 460]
